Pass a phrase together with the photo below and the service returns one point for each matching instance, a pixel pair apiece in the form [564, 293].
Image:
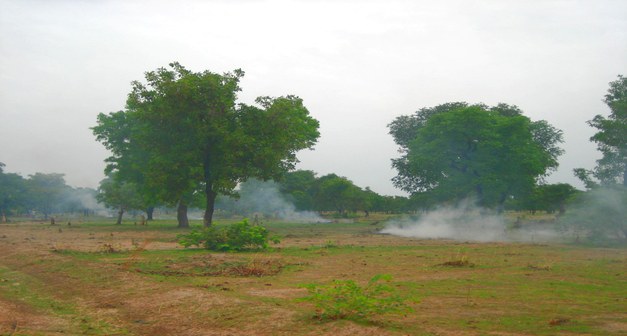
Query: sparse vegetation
[233, 237]
[345, 299]
[567, 289]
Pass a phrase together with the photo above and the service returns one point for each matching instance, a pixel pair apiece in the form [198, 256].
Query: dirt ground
[45, 292]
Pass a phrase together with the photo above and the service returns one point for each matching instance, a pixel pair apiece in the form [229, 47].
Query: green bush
[233, 237]
[345, 299]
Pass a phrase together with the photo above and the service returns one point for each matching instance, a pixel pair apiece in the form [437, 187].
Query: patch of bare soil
[19, 319]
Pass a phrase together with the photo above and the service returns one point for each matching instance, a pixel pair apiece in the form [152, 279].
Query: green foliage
[13, 192]
[339, 193]
[611, 139]
[549, 198]
[335, 193]
[456, 150]
[46, 192]
[298, 185]
[115, 193]
[345, 299]
[234, 237]
[183, 134]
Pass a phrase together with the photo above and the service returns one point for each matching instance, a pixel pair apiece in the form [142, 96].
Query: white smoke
[599, 215]
[462, 222]
[264, 198]
[82, 200]
[465, 222]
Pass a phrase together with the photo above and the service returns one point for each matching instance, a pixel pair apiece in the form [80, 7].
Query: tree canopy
[611, 139]
[455, 150]
[600, 212]
[183, 133]
[12, 192]
[119, 195]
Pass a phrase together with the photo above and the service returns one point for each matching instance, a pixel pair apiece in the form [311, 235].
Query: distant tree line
[333, 193]
[41, 195]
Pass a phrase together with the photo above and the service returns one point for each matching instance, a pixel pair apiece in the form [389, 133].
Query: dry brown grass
[508, 293]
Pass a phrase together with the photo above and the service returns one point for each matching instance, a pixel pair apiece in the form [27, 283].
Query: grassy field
[95, 278]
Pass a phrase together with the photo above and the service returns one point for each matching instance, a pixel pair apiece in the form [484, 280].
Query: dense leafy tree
[456, 150]
[298, 186]
[13, 192]
[599, 213]
[339, 194]
[611, 139]
[184, 133]
[119, 195]
[116, 131]
[46, 192]
[550, 197]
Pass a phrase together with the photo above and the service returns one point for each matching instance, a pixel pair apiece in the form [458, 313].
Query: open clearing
[103, 279]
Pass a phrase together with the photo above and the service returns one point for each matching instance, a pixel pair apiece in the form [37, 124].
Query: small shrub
[539, 267]
[460, 262]
[233, 237]
[345, 299]
[107, 248]
[255, 267]
[330, 244]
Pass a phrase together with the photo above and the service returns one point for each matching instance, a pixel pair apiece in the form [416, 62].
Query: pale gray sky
[356, 64]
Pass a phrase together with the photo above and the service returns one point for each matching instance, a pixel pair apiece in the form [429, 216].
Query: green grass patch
[18, 286]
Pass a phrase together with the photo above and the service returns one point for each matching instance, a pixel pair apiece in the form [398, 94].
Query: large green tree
[455, 150]
[117, 131]
[611, 139]
[183, 133]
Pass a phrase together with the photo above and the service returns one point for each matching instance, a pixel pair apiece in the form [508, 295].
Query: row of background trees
[43, 195]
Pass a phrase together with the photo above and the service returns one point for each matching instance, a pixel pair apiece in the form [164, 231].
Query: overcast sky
[356, 64]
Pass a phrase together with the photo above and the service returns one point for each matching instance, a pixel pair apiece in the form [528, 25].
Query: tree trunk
[479, 190]
[210, 207]
[120, 214]
[181, 215]
[149, 212]
[501, 207]
[4, 216]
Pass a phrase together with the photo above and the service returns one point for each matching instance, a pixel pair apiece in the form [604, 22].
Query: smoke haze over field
[458, 223]
[465, 222]
[600, 214]
[264, 198]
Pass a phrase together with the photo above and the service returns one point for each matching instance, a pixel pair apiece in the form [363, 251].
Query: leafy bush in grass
[345, 299]
[233, 237]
